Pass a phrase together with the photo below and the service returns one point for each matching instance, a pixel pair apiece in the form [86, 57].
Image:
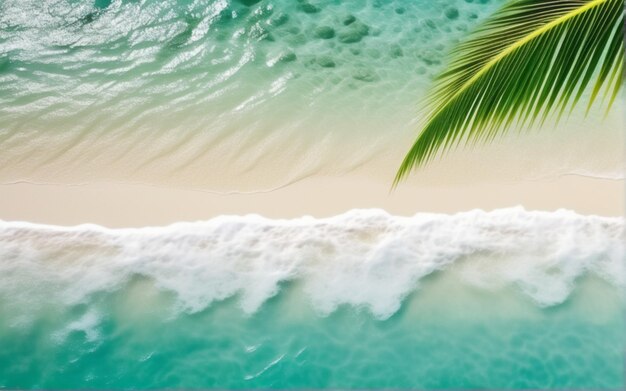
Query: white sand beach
[132, 205]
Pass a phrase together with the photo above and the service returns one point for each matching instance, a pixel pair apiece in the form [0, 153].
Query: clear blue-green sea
[245, 95]
[216, 94]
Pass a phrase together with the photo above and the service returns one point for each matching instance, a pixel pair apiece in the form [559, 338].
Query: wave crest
[364, 258]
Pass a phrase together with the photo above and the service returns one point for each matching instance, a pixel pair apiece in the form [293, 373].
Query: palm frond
[532, 58]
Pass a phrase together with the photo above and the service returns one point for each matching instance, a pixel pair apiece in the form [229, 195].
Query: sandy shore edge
[133, 205]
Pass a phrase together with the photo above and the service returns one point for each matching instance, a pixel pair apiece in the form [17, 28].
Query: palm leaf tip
[531, 60]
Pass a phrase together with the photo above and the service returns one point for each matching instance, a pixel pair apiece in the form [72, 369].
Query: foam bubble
[363, 258]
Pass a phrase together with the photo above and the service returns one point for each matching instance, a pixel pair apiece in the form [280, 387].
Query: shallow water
[235, 95]
[129, 339]
[506, 299]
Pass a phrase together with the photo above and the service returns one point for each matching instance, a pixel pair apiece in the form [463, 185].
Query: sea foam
[363, 258]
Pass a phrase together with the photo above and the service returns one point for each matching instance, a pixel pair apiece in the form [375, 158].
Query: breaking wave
[363, 258]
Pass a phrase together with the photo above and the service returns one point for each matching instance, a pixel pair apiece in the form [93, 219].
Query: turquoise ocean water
[157, 91]
[242, 95]
[506, 299]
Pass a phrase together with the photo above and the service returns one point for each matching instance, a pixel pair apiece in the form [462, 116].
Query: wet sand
[134, 205]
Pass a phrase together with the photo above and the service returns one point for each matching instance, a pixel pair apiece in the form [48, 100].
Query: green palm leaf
[532, 59]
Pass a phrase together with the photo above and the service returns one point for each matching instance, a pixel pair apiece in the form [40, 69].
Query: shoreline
[116, 205]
